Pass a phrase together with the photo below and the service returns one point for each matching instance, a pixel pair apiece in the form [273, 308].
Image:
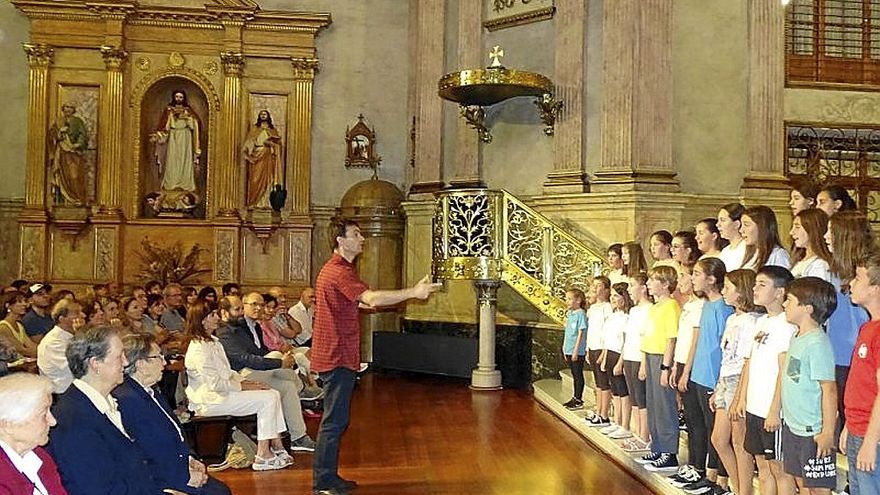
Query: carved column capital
[487, 292]
[304, 68]
[38, 54]
[233, 63]
[114, 57]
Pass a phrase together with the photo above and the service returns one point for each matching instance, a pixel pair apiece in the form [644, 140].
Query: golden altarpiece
[168, 121]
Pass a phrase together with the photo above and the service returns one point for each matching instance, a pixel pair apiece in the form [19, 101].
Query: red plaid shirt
[336, 332]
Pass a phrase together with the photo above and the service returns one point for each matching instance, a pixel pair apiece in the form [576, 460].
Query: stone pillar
[430, 54]
[636, 97]
[569, 139]
[299, 176]
[766, 90]
[486, 377]
[39, 59]
[110, 145]
[468, 159]
[227, 178]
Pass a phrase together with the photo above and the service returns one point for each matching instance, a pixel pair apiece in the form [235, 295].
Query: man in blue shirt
[37, 321]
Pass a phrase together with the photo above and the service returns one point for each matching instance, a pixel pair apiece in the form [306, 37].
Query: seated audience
[242, 339]
[37, 321]
[173, 317]
[25, 467]
[132, 316]
[51, 353]
[303, 313]
[209, 294]
[152, 425]
[153, 287]
[11, 330]
[215, 389]
[94, 312]
[94, 451]
[231, 289]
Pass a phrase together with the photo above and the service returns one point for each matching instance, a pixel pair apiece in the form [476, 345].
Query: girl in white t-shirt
[729, 223]
[661, 249]
[615, 327]
[615, 261]
[631, 360]
[736, 344]
[598, 312]
[811, 255]
[633, 258]
[760, 233]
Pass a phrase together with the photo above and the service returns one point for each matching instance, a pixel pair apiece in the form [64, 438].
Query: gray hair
[21, 394]
[62, 308]
[94, 342]
[137, 346]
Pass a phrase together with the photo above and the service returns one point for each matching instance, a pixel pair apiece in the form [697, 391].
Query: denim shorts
[725, 391]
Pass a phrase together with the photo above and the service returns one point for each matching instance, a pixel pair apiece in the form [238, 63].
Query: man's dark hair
[817, 293]
[228, 288]
[20, 285]
[780, 276]
[339, 228]
[152, 283]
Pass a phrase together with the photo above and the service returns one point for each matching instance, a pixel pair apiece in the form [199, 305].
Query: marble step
[552, 393]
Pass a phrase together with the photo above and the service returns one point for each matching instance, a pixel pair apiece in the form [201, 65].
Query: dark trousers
[696, 428]
[577, 374]
[708, 417]
[338, 389]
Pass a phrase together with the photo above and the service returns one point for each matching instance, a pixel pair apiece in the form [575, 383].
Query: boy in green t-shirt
[809, 391]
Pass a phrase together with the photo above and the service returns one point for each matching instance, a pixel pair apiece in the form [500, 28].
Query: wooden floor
[413, 434]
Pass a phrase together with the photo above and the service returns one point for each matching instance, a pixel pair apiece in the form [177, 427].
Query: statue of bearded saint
[69, 140]
[177, 145]
[262, 159]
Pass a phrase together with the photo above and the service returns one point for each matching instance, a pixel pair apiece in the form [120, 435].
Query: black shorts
[617, 382]
[636, 387]
[760, 441]
[800, 461]
[600, 377]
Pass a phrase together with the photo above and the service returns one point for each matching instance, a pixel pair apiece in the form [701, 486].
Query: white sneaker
[272, 464]
[609, 429]
[620, 434]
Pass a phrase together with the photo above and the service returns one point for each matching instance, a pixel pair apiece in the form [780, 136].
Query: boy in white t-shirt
[599, 311]
[758, 397]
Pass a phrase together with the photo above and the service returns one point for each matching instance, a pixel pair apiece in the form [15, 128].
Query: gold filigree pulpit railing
[481, 234]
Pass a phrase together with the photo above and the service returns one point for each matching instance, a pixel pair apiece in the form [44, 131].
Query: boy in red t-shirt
[860, 437]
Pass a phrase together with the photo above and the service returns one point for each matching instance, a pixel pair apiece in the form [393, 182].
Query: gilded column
[110, 145]
[766, 90]
[468, 157]
[636, 149]
[304, 70]
[569, 138]
[430, 54]
[39, 59]
[227, 181]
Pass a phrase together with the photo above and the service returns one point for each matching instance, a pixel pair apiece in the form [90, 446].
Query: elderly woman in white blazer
[214, 389]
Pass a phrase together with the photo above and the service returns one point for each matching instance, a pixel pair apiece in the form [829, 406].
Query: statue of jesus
[177, 145]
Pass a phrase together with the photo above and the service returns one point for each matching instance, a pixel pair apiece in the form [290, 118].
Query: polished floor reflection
[414, 434]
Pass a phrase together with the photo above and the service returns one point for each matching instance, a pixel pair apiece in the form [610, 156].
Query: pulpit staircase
[482, 234]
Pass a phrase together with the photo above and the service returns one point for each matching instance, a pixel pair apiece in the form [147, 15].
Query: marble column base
[485, 380]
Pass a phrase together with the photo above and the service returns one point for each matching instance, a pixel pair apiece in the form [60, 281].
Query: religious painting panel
[31, 256]
[70, 259]
[73, 146]
[299, 260]
[263, 151]
[173, 155]
[225, 250]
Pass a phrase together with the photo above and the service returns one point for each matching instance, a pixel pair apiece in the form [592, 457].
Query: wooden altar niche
[116, 66]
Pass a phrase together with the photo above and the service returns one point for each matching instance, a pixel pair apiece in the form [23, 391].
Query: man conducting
[336, 346]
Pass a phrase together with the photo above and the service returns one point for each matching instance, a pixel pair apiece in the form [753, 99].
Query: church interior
[499, 146]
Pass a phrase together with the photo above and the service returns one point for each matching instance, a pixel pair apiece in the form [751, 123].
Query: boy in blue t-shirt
[574, 345]
[809, 390]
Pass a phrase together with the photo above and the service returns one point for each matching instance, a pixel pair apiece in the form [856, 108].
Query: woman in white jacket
[214, 389]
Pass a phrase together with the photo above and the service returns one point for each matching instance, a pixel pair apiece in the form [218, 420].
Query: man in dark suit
[94, 452]
[152, 424]
[242, 339]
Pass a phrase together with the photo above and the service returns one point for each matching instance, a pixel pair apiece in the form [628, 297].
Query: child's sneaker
[666, 462]
[620, 434]
[685, 476]
[649, 457]
[598, 421]
[574, 404]
[609, 429]
[699, 487]
[635, 444]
